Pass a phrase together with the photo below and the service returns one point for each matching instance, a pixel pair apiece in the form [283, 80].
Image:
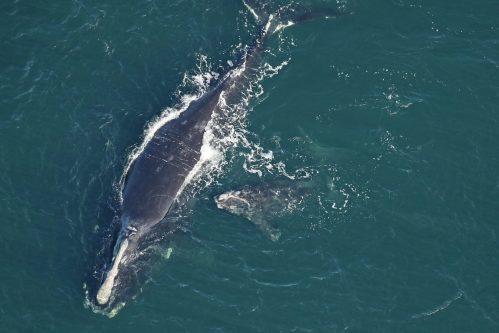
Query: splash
[251, 10]
[225, 133]
[200, 80]
[89, 304]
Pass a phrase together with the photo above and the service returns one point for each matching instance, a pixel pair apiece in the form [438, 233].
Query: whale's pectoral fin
[162, 251]
[266, 227]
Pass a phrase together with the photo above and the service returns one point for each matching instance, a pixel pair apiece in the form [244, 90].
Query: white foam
[251, 10]
[269, 23]
[209, 156]
[282, 26]
[166, 116]
[440, 307]
[226, 130]
[201, 80]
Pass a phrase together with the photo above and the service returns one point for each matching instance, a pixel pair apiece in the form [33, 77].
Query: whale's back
[158, 173]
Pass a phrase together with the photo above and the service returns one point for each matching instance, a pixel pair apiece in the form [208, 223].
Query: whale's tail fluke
[299, 14]
[272, 20]
[286, 15]
[258, 9]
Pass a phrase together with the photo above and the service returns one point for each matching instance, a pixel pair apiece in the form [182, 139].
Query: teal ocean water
[391, 110]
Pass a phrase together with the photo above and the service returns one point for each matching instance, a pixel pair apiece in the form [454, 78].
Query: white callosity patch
[226, 200]
[106, 289]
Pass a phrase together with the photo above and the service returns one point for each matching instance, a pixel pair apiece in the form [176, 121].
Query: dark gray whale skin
[155, 180]
[261, 203]
[158, 173]
[156, 177]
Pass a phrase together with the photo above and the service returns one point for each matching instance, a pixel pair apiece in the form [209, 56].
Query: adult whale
[158, 174]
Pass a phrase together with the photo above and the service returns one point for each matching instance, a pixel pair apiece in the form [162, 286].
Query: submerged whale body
[158, 174]
[260, 204]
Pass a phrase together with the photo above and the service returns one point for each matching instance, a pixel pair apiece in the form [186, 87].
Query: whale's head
[233, 202]
[124, 264]
[119, 279]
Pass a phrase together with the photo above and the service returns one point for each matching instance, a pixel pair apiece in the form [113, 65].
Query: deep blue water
[391, 109]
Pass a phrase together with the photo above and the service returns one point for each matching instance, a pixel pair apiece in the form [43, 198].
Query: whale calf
[262, 203]
[157, 176]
